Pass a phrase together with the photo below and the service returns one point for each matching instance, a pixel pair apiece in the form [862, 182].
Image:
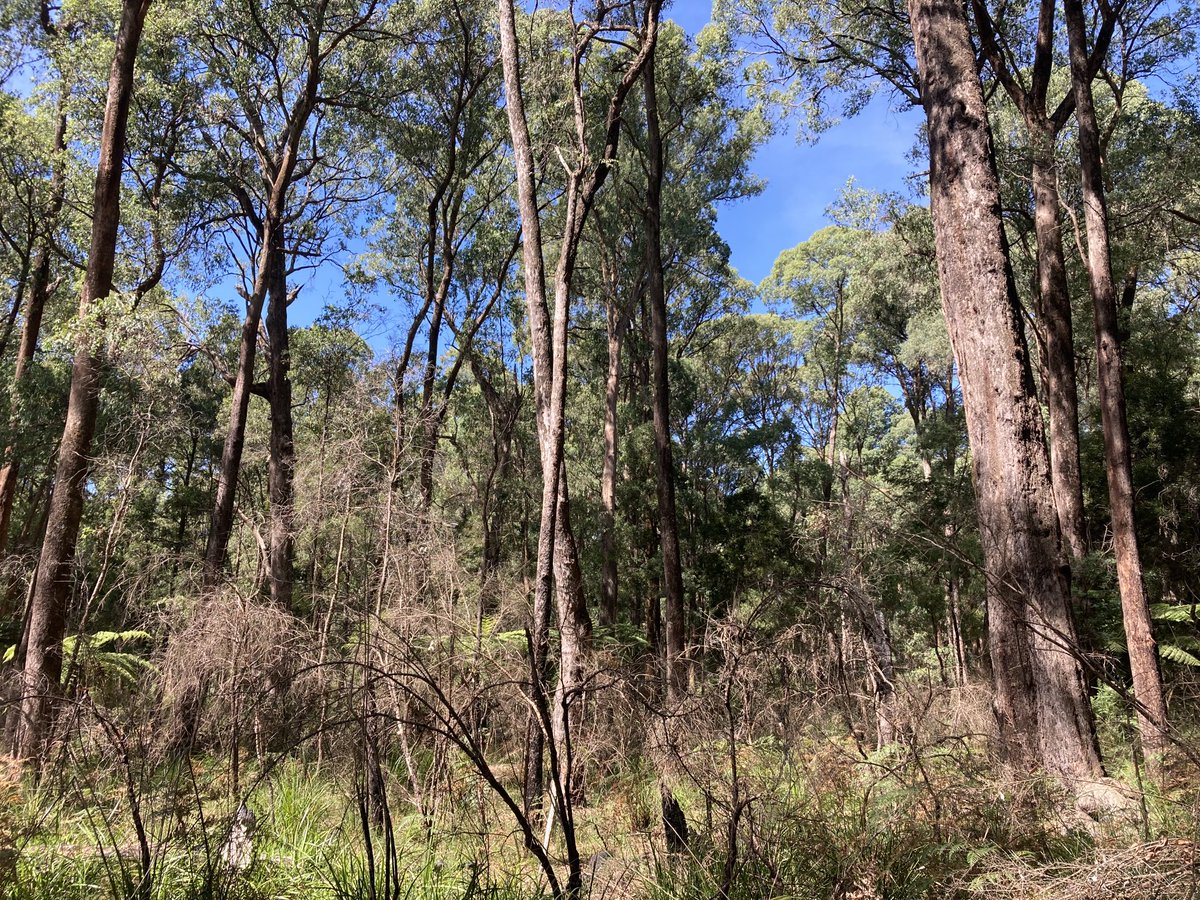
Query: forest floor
[822, 818]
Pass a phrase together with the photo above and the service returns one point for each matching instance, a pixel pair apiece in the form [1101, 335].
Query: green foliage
[94, 660]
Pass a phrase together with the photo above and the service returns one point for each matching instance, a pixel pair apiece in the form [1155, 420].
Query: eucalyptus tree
[923, 51]
[42, 669]
[450, 236]
[43, 197]
[707, 135]
[1139, 636]
[1041, 701]
[1044, 116]
[557, 560]
[276, 76]
[664, 461]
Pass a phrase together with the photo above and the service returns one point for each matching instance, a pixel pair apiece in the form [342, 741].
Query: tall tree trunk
[221, 526]
[430, 420]
[1040, 702]
[43, 655]
[668, 525]
[617, 322]
[282, 462]
[40, 289]
[549, 441]
[1135, 610]
[1054, 311]
[549, 340]
[1029, 92]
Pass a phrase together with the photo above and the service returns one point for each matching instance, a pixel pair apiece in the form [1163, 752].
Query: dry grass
[1167, 869]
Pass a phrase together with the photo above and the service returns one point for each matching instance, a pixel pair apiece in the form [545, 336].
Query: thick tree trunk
[1135, 610]
[1054, 311]
[1041, 702]
[43, 655]
[668, 525]
[282, 462]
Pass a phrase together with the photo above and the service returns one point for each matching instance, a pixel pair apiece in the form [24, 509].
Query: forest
[403, 495]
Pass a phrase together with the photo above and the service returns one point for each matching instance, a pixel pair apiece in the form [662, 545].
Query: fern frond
[1177, 655]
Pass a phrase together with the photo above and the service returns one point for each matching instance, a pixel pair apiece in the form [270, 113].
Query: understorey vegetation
[404, 496]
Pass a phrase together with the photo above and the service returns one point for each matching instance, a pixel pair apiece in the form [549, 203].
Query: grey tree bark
[557, 560]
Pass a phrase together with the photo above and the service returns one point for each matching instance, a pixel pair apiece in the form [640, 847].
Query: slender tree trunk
[1054, 311]
[282, 463]
[1139, 637]
[540, 331]
[608, 475]
[43, 654]
[668, 525]
[221, 526]
[1041, 701]
[429, 417]
[40, 289]
[503, 413]
[549, 340]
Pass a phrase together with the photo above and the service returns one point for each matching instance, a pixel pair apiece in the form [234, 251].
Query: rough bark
[1054, 312]
[1041, 704]
[47, 623]
[668, 525]
[1029, 93]
[1135, 610]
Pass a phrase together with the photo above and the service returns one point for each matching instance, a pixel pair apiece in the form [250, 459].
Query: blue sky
[804, 180]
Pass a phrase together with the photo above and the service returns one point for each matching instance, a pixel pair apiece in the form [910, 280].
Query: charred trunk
[282, 463]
